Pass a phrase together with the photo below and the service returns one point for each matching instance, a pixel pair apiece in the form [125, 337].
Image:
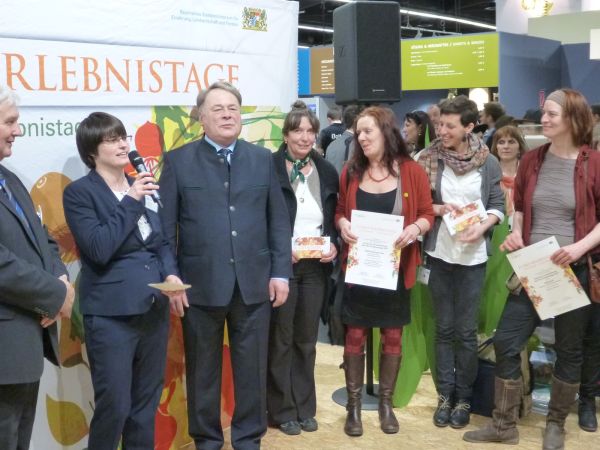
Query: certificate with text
[552, 289]
[372, 260]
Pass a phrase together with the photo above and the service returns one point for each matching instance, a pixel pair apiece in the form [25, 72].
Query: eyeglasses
[117, 140]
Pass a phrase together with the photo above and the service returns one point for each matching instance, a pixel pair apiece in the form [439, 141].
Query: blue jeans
[456, 293]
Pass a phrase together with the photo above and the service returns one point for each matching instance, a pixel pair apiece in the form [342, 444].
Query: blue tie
[226, 154]
[12, 200]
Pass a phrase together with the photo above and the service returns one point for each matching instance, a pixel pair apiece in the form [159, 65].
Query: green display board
[467, 61]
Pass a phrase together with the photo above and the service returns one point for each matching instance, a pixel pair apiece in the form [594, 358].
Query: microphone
[138, 163]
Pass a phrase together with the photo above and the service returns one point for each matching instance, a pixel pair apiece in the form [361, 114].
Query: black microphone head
[135, 158]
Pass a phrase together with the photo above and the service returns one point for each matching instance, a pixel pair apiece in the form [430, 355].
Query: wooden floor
[416, 428]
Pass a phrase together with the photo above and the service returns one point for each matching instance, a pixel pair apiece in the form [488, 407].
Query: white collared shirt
[460, 190]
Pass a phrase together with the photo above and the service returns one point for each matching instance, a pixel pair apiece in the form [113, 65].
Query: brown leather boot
[562, 396]
[503, 427]
[388, 373]
[354, 369]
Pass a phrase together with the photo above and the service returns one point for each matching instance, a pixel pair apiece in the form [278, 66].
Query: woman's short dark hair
[423, 122]
[511, 132]
[461, 105]
[394, 146]
[92, 130]
[294, 117]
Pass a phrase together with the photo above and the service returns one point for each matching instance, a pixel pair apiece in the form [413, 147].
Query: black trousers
[127, 357]
[519, 320]
[292, 346]
[248, 330]
[17, 412]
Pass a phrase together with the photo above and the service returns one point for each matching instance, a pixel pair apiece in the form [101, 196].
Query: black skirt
[365, 306]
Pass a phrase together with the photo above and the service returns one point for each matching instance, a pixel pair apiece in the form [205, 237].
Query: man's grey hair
[8, 96]
[224, 85]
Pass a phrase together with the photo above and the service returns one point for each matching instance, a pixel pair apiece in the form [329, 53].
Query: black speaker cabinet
[366, 42]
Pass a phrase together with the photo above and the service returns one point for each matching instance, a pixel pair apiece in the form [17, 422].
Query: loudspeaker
[366, 43]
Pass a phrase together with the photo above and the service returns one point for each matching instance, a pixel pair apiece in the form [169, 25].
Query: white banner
[52, 73]
[144, 62]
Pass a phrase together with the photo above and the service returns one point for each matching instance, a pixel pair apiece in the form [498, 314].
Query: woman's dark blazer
[117, 264]
[329, 184]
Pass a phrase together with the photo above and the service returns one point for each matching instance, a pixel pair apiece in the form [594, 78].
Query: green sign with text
[466, 61]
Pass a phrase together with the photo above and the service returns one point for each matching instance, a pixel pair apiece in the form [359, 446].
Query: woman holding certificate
[126, 322]
[380, 178]
[557, 194]
[465, 180]
[310, 186]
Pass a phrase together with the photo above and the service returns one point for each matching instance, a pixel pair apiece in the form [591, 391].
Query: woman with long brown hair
[381, 177]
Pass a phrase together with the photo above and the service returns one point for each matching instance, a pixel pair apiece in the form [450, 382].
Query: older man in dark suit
[34, 293]
[225, 215]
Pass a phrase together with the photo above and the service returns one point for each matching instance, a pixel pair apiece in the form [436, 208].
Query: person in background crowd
[557, 193]
[418, 132]
[225, 214]
[433, 111]
[596, 113]
[122, 249]
[381, 177]
[596, 132]
[333, 131]
[342, 149]
[490, 114]
[509, 147]
[34, 294]
[504, 121]
[310, 185]
[461, 170]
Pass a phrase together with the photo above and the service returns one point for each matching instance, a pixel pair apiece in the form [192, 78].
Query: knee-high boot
[562, 396]
[354, 369]
[503, 427]
[388, 373]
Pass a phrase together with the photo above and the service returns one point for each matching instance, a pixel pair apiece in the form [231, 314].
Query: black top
[330, 134]
[366, 306]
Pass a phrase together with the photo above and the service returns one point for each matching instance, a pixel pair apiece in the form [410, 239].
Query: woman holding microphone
[126, 322]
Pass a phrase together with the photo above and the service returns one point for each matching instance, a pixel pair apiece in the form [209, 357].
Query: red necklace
[376, 180]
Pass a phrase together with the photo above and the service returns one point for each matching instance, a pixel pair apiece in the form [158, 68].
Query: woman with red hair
[381, 177]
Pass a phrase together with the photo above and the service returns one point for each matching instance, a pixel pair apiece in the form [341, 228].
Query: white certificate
[552, 289]
[371, 261]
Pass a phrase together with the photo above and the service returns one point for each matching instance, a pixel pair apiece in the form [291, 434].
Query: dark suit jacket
[117, 264]
[225, 227]
[29, 289]
[329, 184]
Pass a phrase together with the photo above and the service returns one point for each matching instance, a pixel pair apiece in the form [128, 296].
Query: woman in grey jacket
[461, 171]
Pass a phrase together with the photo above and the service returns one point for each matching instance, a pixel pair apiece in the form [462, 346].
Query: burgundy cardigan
[587, 195]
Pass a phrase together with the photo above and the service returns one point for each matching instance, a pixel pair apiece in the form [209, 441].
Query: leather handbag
[594, 279]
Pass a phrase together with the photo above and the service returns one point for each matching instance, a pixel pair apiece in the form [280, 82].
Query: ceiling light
[311, 28]
[411, 12]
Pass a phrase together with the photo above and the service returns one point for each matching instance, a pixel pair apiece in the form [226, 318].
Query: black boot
[441, 417]
[461, 413]
[354, 369]
[388, 373]
[587, 413]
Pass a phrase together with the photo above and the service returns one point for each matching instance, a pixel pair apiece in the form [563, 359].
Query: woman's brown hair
[394, 146]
